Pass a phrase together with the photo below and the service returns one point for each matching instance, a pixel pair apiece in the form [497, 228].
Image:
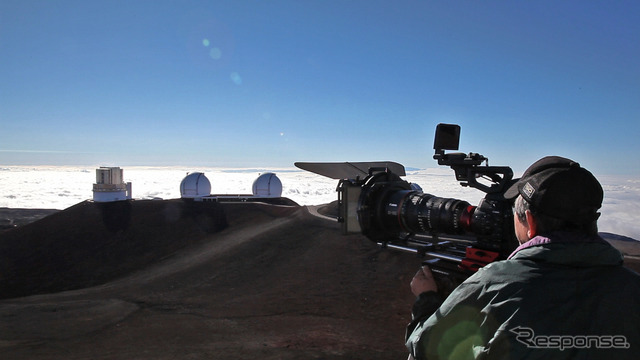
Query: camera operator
[562, 294]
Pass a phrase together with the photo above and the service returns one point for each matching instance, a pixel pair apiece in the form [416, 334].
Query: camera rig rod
[418, 251]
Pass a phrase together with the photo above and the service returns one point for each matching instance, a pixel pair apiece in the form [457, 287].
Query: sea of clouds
[51, 187]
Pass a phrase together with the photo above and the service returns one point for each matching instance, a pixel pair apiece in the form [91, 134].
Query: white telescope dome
[267, 185]
[195, 185]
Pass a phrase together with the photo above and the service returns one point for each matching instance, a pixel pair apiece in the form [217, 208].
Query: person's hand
[423, 281]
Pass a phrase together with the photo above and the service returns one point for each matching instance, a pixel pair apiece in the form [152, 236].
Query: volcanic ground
[170, 279]
[186, 280]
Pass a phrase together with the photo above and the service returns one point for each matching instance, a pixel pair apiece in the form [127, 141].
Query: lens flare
[215, 53]
[235, 77]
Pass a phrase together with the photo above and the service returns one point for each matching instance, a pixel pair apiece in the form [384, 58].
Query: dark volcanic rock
[276, 283]
[11, 218]
[91, 243]
[200, 281]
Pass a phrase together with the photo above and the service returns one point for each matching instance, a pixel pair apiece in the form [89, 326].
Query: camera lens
[417, 212]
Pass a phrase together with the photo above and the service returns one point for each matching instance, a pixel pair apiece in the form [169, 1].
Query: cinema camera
[456, 237]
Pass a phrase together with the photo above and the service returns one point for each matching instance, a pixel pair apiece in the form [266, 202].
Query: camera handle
[500, 177]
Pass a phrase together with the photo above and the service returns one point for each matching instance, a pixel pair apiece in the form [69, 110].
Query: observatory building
[110, 186]
[195, 186]
[267, 185]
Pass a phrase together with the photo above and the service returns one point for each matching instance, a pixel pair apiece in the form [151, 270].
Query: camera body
[457, 237]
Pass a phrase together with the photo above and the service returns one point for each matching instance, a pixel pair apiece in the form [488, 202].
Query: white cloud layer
[61, 187]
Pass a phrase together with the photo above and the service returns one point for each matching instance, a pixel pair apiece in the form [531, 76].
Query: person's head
[555, 194]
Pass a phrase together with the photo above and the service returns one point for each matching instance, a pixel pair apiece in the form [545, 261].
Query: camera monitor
[447, 137]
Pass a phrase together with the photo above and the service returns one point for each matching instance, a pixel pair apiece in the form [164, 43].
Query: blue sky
[267, 83]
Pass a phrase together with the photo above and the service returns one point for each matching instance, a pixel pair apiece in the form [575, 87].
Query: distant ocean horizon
[59, 187]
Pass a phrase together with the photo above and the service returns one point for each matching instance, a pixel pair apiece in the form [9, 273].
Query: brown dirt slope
[10, 218]
[263, 281]
[170, 279]
[91, 243]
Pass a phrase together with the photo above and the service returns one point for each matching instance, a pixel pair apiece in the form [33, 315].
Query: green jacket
[559, 297]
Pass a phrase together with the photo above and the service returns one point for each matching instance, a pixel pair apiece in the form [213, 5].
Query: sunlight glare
[215, 53]
[235, 77]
